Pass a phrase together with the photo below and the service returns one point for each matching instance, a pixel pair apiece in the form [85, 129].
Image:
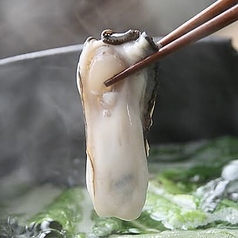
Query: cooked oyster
[116, 121]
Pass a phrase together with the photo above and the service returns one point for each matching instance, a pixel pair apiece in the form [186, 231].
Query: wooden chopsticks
[205, 15]
[215, 17]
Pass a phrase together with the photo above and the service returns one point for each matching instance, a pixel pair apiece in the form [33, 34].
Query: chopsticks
[205, 15]
[194, 29]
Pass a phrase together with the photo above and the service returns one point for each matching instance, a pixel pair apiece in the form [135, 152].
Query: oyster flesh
[117, 119]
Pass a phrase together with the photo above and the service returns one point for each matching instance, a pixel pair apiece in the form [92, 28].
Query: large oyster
[116, 120]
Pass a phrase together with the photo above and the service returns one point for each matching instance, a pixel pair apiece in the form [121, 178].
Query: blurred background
[41, 119]
[32, 25]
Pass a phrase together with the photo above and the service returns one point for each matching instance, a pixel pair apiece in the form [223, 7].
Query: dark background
[41, 121]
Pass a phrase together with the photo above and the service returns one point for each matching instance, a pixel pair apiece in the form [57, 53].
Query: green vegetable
[172, 209]
[171, 201]
[62, 215]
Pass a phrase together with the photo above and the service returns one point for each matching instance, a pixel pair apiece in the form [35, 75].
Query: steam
[31, 25]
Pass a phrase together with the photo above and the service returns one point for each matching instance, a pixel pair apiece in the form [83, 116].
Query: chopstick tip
[108, 83]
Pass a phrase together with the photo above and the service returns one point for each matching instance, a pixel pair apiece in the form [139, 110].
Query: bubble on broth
[10, 227]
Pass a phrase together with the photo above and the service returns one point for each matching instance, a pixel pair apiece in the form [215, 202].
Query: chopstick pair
[217, 16]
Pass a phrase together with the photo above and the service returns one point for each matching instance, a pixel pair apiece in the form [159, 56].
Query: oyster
[117, 119]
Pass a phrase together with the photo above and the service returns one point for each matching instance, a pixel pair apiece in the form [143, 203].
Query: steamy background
[41, 121]
[32, 25]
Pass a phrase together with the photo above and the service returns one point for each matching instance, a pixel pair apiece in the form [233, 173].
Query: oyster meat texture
[117, 119]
